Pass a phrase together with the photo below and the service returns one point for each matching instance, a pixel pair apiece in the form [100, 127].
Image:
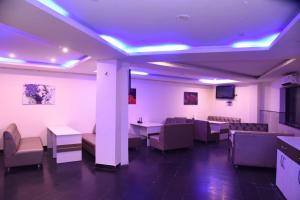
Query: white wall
[157, 100]
[244, 106]
[75, 102]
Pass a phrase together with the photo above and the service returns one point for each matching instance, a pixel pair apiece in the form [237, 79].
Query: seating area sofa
[224, 119]
[255, 148]
[20, 151]
[173, 136]
[201, 131]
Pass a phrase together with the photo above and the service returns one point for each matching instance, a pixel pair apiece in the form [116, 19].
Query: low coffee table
[65, 142]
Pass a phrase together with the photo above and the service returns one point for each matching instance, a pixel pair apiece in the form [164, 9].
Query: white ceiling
[154, 22]
[211, 23]
[31, 48]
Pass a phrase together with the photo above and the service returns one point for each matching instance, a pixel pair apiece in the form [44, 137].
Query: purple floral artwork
[38, 94]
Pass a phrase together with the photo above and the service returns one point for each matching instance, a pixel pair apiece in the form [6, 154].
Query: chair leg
[8, 169]
[38, 166]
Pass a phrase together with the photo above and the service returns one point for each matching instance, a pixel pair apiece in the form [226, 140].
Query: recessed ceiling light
[12, 55]
[183, 17]
[65, 50]
[53, 60]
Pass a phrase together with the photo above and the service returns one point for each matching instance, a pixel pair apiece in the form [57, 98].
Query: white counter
[291, 140]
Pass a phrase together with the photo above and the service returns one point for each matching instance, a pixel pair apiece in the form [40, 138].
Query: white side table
[65, 142]
[145, 129]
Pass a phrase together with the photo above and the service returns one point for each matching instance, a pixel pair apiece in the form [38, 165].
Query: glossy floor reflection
[203, 172]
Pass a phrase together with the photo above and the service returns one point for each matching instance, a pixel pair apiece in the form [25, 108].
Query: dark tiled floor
[203, 172]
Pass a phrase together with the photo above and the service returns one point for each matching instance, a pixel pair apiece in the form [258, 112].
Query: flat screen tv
[290, 106]
[225, 92]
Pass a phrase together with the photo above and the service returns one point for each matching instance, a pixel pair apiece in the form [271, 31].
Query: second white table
[145, 129]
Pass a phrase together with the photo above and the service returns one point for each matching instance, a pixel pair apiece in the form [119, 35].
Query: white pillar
[112, 113]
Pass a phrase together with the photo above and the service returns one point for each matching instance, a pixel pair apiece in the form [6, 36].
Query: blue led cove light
[53, 6]
[145, 49]
[11, 60]
[139, 73]
[264, 42]
[70, 63]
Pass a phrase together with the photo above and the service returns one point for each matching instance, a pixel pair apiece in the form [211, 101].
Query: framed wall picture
[190, 98]
[132, 96]
[38, 94]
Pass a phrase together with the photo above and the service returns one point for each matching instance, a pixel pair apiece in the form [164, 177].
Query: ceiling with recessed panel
[233, 39]
[191, 22]
[28, 47]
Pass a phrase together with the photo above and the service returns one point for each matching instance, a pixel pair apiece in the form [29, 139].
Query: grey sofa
[173, 136]
[255, 148]
[21, 151]
[201, 129]
[203, 132]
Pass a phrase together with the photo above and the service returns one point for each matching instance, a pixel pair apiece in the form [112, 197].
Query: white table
[145, 129]
[216, 127]
[65, 142]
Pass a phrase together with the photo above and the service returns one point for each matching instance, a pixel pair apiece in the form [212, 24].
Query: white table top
[216, 122]
[291, 140]
[147, 124]
[63, 130]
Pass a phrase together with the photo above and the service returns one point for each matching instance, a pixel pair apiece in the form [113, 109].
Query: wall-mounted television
[290, 106]
[225, 92]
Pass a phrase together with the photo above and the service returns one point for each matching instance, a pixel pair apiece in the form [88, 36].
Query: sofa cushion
[12, 140]
[30, 145]
[177, 120]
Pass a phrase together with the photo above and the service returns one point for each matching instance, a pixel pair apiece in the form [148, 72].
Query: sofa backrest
[224, 119]
[176, 120]
[12, 140]
[177, 135]
[249, 127]
[255, 148]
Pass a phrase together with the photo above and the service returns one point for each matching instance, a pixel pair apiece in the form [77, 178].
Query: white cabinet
[281, 173]
[288, 171]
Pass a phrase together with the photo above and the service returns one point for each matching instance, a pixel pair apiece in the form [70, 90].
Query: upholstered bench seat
[21, 151]
[31, 144]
